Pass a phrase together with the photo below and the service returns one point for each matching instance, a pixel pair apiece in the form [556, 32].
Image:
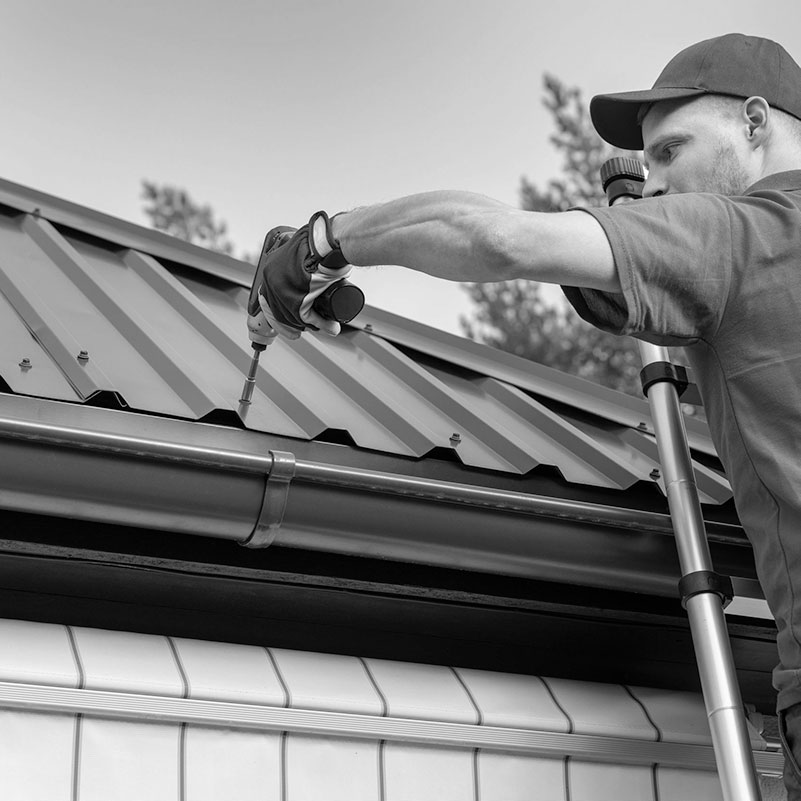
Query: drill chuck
[622, 177]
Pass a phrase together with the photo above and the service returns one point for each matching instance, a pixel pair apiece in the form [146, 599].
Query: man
[710, 260]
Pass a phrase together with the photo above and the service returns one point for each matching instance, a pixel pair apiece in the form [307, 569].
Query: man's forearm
[463, 236]
[448, 234]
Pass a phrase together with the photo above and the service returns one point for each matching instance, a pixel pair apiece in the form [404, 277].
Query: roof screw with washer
[25, 364]
[83, 356]
[456, 438]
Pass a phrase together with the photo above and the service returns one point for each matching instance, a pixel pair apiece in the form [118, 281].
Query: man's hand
[295, 267]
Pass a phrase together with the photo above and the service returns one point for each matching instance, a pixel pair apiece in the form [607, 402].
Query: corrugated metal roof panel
[582, 458]
[104, 306]
[540, 379]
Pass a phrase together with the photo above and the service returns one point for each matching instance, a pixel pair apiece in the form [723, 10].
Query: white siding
[185, 720]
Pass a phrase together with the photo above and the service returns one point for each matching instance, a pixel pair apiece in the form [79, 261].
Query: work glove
[295, 267]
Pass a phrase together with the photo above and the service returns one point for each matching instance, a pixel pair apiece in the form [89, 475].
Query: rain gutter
[127, 477]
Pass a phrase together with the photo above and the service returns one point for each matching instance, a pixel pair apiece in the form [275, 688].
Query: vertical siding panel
[680, 716]
[592, 781]
[223, 764]
[129, 761]
[229, 672]
[675, 784]
[38, 653]
[602, 709]
[37, 756]
[512, 777]
[327, 682]
[517, 701]
[428, 773]
[334, 769]
[423, 692]
[128, 662]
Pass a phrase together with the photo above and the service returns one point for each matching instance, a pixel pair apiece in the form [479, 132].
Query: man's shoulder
[787, 181]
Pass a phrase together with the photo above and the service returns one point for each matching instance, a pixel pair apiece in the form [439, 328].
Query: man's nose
[655, 185]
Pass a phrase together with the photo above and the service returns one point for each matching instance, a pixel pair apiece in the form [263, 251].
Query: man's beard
[726, 175]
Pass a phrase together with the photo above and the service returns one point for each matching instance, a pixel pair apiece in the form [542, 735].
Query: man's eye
[668, 152]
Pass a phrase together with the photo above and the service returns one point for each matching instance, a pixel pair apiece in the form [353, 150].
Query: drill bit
[250, 379]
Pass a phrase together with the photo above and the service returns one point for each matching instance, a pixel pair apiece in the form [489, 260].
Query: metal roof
[90, 305]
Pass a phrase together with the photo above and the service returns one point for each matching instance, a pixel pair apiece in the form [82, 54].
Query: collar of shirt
[781, 181]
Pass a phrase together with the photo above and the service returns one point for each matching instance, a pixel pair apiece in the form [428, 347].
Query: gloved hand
[295, 267]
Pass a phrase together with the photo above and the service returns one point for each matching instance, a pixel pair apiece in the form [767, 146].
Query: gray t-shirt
[721, 276]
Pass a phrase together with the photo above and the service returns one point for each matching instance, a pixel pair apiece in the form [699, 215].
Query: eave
[130, 478]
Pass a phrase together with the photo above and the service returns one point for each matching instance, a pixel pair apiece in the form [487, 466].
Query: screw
[84, 355]
[456, 438]
[25, 364]
[369, 328]
[655, 474]
[642, 426]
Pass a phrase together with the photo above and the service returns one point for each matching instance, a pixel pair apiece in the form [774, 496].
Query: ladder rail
[704, 604]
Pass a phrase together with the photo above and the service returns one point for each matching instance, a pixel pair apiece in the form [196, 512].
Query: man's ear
[756, 113]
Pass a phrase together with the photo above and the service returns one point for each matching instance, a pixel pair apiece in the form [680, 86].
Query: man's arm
[463, 236]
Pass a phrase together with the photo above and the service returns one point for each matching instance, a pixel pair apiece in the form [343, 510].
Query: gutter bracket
[273, 506]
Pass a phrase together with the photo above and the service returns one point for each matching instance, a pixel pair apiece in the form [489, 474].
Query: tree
[583, 153]
[173, 211]
[514, 316]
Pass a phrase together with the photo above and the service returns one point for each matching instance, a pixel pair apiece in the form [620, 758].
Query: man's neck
[784, 161]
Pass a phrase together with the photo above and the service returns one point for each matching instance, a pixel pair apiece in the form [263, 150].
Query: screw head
[456, 438]
[655, 474]
[25, 364]
[83, 355]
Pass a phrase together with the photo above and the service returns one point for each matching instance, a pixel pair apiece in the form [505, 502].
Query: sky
[272, 110]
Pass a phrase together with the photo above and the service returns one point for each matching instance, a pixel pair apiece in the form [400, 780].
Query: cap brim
[615, 116]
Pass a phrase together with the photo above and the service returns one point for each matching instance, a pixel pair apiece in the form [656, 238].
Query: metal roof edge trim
[523, 373]
[123, 234]
[159, 709]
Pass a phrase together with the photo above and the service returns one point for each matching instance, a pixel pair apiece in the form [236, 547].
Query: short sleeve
[674, 259]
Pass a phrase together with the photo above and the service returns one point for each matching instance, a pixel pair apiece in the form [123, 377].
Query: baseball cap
[733, 64]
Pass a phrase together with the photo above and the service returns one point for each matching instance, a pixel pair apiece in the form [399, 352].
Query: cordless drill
[341, 301]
